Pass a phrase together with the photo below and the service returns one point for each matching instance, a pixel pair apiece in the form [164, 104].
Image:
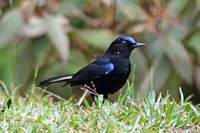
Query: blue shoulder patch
[108, 67]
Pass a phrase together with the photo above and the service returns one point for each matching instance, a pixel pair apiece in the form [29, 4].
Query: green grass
[147, 114]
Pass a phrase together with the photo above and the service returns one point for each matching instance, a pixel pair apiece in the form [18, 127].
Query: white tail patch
[61, 79]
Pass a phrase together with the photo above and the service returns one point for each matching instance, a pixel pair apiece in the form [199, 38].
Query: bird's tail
[63, 78]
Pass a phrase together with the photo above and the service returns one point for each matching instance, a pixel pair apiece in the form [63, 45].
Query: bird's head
[123, 46]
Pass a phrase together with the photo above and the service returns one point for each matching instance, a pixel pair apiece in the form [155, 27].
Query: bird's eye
[124, 43]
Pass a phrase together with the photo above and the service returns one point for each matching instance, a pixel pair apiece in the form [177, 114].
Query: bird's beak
[139, 45]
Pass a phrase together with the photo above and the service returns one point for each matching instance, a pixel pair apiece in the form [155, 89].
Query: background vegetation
[43, 38]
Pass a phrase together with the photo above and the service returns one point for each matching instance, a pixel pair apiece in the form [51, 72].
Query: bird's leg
[93, 85]
[86, 92]
[87, 89]
[93, 91]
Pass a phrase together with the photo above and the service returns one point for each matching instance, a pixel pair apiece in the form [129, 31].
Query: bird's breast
[119, 76]
[122, 67]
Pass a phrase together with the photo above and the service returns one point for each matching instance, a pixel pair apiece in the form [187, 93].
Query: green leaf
[178, 56]
[97, 38]
[10, 26]
[156, 76]
[194, 42]
[71, 9]
[57, 34]
[132, 11]
[139, 60]
[175, 6]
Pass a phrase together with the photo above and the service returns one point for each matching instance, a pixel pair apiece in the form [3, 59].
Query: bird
[105, 75]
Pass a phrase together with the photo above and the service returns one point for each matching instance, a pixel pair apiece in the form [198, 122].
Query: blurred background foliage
[43, 38]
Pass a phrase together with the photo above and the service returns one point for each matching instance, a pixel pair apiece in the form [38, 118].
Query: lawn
[34, 113]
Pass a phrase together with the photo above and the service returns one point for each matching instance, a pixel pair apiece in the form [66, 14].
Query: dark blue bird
[108, 73]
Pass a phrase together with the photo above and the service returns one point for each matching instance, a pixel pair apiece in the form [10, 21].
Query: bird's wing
[95, 70]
